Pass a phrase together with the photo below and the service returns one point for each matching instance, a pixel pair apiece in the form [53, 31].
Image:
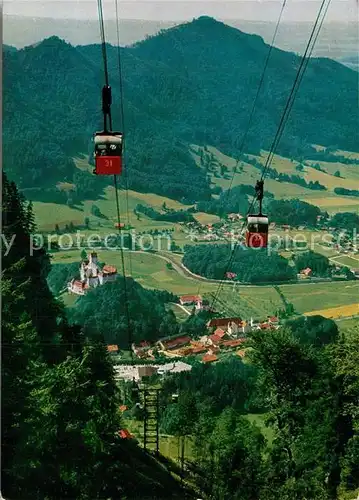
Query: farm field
[351, 262]
[338, 312]
[151, 271]
[49, 214]
[316, 297]
[346, 324]
[326, 200]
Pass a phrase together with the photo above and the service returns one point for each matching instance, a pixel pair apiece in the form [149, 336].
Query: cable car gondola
[108, 144]
[257, 231]
[257, 224]
[108, 153]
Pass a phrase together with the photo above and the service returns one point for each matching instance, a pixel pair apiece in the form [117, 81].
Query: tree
[59, 430]
[337, 173]
[57, 229]
[87, 223]
[306, 408]
[314, 330]
[83, 254]
[318, 263]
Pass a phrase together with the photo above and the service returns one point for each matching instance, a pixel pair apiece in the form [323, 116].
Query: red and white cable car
[257, 224]
[108, 153]
[257, 231]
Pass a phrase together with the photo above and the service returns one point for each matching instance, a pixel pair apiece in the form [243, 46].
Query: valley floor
[151, 271]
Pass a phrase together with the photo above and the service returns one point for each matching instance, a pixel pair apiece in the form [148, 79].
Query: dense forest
[291, 430]
[181, 87]
[105, 311]
[168, 215]
[60, 418]
[293, 212]
[345, 221]
[318, 263]
[237, 200]
[250, 265]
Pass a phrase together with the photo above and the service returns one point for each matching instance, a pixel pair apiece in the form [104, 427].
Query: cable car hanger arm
[259, 194]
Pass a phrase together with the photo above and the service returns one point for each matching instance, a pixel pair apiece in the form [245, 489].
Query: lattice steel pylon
[150, 397]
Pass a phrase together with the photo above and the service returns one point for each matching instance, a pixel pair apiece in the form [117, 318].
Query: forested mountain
[59, 401]
[194, 83]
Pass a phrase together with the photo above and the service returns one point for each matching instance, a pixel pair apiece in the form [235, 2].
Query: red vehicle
[108, 153]
[257, 231]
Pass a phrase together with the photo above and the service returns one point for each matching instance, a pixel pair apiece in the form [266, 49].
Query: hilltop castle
[91, 275]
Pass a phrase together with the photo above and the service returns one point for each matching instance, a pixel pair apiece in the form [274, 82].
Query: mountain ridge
[194, 83]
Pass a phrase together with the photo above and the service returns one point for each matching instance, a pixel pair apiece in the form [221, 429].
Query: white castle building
[91, 275]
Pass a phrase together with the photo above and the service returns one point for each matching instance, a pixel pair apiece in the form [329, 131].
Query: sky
[168, 10]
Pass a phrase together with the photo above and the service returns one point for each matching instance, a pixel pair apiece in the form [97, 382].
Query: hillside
[194, 83]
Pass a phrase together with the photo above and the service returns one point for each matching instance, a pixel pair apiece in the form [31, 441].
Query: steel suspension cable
[283, 121]
[250, 120]
[122, 110]
[105, 62]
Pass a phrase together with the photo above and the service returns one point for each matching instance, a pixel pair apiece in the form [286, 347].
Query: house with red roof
[125, 434]
[273, 320]
[219, 332]
[187, 300]
[231, 326]
[306, 273]
[214, 340]
[199, 350]
[112, 348]
[231, 276]
[173, 343]
[233, 343]
[77, 287]
[209, 358]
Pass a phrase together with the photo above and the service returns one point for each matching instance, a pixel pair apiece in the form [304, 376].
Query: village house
[255, 324]
[233, 343]
[305, 273]
[231, 276]
[187, 300]
[173, 343]
[214, 340]
[136, 372]
[113, 349]
[91, 275]
[125, 434]
[142, 350]
[228, 325]
[209, 358]
[273, 320]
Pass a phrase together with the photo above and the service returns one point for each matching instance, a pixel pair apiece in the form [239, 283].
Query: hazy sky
[257, 10]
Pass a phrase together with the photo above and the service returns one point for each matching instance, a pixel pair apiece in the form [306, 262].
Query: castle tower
[82, 271]
[93, 258]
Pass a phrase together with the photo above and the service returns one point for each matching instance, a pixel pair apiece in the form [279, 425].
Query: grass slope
[326, 200]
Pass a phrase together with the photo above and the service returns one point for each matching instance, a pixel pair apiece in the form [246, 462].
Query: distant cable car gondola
[257, 224]
[108, 153]
[108, 144]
